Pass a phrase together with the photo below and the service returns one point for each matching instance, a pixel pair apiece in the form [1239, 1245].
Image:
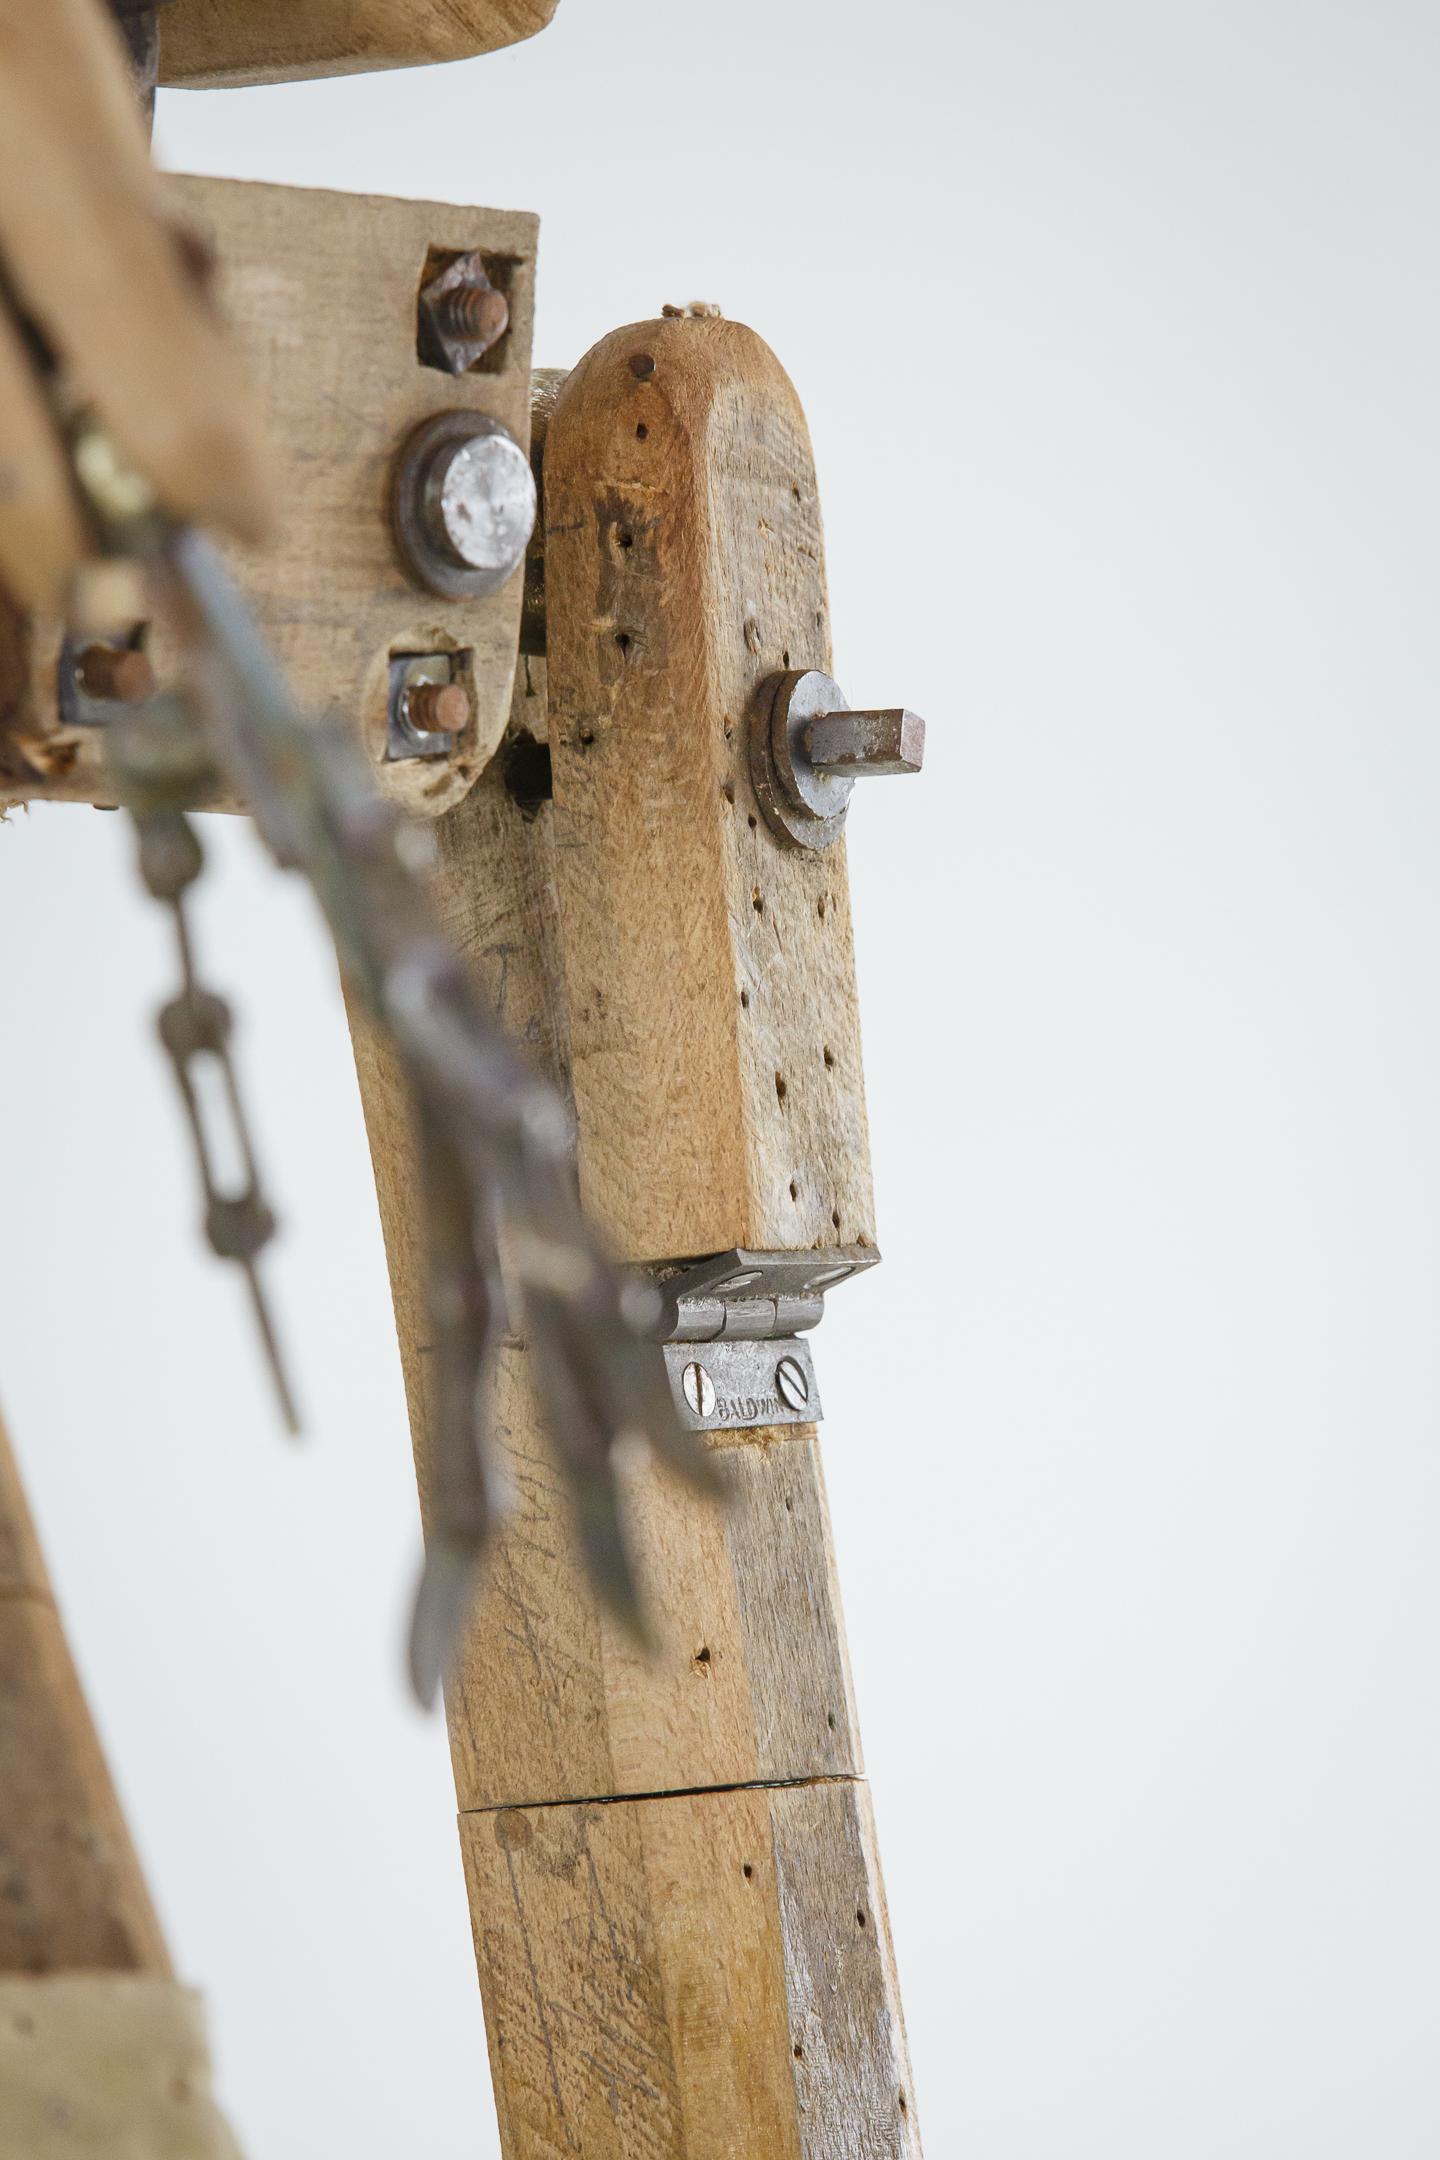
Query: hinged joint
[749, 1309]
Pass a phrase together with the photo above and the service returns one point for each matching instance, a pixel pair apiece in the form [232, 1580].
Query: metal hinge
[747, 1310]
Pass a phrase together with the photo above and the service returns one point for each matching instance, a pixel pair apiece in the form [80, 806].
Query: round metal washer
[800, 804]
[462, 504]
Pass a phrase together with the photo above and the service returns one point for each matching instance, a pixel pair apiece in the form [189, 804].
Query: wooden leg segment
[72, 1897]
[676, 1898]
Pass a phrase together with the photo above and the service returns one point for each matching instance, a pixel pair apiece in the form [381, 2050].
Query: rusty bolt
[855, 744]
[436, 708]
[115, 673]
[461, 315]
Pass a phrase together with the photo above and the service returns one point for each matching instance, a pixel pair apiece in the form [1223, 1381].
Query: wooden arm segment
[674, 1886]
[213, 44]
[72, 1897]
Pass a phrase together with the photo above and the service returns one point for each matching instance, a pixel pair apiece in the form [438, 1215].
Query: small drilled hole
[641, 432]
[757, 901]
[904, 2104]
[748, 1872]
[585, 736]
[745, 1000]
[622, 639]
[820, 907]
[830, 1719]
[642, 364]
[794, 1190]
[835, 1218]
[780, 1089]
[789, 1505]
[702, 1655]
[753, 821]
[727, 789]
[794, 490]
[829, 1059]
[799, 2052]
[859, 1919]
[625, 537]
[784, 659]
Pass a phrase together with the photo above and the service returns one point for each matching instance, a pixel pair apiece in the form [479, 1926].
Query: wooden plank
[710, 972]
[549, 1700]
[321, 290]
[205, 43]
[72, 1897]
[106, 2064]
[704, 1974]
[673, 1882]
[91, 258]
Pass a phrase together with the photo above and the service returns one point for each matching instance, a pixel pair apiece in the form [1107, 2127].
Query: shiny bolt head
[790, 1381]
[699, 1390]
[463, 505]
[481, 500]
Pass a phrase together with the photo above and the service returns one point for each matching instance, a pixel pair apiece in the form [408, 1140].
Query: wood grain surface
[702, 1976]
[320, 291]
[206, 43]
[72, 1897]
[674, 1888]
[710, 972]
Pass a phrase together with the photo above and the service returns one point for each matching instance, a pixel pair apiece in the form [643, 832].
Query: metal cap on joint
[463, 505]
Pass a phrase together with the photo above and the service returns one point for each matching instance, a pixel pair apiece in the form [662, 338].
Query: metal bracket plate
[747, 1310]
[728, 1386]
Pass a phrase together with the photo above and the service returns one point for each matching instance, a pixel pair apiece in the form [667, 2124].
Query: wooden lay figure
[607, 1045]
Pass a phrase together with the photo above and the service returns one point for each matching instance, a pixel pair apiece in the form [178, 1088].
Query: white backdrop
[1117, 329]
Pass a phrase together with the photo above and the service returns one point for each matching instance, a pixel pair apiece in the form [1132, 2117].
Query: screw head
[699, 1389]
[793, 1387]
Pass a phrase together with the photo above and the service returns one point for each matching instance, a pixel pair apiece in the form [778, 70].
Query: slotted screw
[793, 1386]
[699, 1389]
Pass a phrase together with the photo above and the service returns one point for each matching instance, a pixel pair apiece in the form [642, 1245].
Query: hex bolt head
[699, 1389]
[463, 505]
[790, 1381]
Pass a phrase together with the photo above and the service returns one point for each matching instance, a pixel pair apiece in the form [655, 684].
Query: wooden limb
[674, 1888]
[72, 1897]
[214, 43]
[97, 267]
[710, 973]
[322, 292]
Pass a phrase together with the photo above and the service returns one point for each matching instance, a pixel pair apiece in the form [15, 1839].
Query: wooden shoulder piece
[213, 44]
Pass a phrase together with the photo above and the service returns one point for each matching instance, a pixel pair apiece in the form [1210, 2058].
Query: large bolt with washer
[463, 505]
[808, 748]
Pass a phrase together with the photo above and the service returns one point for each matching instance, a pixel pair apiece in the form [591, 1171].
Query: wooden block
[710, 972]
[680, 1930]
[550, 1701]
[72, 1897]
[106, 2064]
[706, 1975]
[751, 1681]
[321, 290]
[91, 260]
[208, 43]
